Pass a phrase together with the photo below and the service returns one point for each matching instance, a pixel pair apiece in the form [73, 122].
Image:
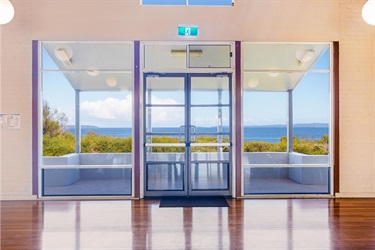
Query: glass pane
[267, 158]
[210, 138]
[163, 57]
[164, 117]
[265, 121]
[210, 90]
[165, 90]
[97, 79]
[209, 153]
[286, 180]
[274, 157]
[212, 131]
[311, 108]
[190, 2]
[209, 56]
[106, 159]
[211, 117]
[86, 182]
[47, 61]
[165, 177]
[170, 153]
[270, 134]
[323, 63]
[164, 2]
[211, 2]
[165, 138]
[210, 176]
[111, 132]
[58, 115]
[107, 120]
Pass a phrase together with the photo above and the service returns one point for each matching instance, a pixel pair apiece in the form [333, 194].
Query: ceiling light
[183, 52]
[62, 55]
[92, 72]
[253, 82]
[368, 12]
[6, 11]
[306, 57]
[111, 81]
[273, 74]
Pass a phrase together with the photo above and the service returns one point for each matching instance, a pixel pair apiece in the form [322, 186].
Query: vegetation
[58, 145]
[311, 147]
[53, 121]
[201, 139]
[94, 143]
[57, 142]
[300, 145]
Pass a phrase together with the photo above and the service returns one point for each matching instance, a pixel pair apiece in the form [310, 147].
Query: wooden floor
[247, 224]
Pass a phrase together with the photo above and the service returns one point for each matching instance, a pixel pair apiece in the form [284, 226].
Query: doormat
[207, 201]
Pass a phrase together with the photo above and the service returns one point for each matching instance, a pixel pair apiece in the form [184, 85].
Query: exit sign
[188, 30]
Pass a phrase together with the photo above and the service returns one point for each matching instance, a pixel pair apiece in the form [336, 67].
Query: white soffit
[95, 66]
[277, 66]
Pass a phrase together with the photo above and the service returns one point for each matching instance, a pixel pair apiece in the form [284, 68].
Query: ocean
[251, 133]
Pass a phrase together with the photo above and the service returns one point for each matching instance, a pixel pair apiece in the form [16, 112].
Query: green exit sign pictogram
[188, 30]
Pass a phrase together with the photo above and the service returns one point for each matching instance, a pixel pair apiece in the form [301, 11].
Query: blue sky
[114, 109]
[310, 101]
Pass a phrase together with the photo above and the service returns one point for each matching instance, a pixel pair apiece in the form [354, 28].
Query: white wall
[16, 98]
[252, 20]
[357, 102]
[249, 20]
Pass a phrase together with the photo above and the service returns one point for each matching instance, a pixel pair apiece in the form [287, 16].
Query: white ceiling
[95, 66]
[266, 66]
[276, 66]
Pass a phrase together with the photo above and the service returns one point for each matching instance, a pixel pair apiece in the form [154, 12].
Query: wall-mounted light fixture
[181, 52]
[63, 56]
[6, 11]
[309, 54]
[368, 12]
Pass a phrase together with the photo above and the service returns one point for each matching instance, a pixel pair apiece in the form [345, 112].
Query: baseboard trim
[18, 198]
[355, 195]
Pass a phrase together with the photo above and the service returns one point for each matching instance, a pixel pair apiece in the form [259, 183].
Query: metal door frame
[187, 189]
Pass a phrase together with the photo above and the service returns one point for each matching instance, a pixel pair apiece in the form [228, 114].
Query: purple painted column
[35, 117]
[137, 121]
[336, 120]
[238, 121]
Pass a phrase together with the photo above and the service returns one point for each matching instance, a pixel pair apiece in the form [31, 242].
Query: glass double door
[187, 134]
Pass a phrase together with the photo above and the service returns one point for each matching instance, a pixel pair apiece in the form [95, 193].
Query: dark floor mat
[210, 201]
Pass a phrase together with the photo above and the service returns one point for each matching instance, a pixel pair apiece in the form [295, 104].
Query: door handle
[193, 131]
[181, 132]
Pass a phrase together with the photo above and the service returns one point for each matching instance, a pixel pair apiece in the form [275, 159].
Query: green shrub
[64, 143]
[94, 143]
[300, 145]
[61, 144]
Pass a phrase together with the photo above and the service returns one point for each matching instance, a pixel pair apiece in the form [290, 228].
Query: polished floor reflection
[246, 224]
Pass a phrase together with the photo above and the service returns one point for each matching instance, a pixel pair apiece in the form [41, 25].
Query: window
[286, 116]
[189, 2]
[87, 118]
[172, 56]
